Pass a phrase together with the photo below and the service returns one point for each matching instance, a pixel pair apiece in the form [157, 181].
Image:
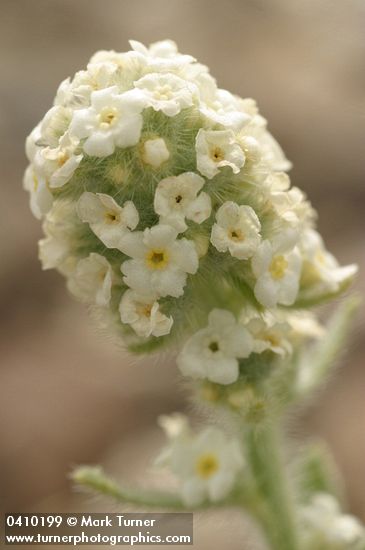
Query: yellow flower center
[108, 116]
[163, 93]
[206, 465]
[278, 267]
[144, 310]
[62, 158]
[273, 339]
[157, 258]
[111, 217]
[217, 154]
[236, 235]
[147, 310]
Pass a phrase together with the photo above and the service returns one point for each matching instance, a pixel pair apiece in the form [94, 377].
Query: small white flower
[290, 212]
[321, 272]
[277, 275]
[268, 332]
[304, 325]
[112, 120]
[58, 163]
[104, 57]
[109, 221]
[110, 67]
[174, 425]
[160, 262]
[60, 226]
[324, 524]
[41, 199]
[32, 143]
[54, 125]
[162, 56]
[237, 230]
[178, 197]
[271, 154]
[144, 315]
[166, 92]
[164, 48]
[92, 280]
[213, 351]
[155, 152]
[207, 464]
[219, 106]
[216, 149]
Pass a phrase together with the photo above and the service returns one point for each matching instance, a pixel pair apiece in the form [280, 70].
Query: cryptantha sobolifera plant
[166, 205]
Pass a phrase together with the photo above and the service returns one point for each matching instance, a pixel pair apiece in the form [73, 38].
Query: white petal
[169, 282]
[199, 210]
[223, 371]
[129, 131]
[221, 485]
[159, 236]
[266, 291]
[132, 245]
[83, 122]
[185, 255]
[137, 276]
[99, 144]
[193, 492]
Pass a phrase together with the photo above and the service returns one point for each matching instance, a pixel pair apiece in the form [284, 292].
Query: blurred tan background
[67, 396]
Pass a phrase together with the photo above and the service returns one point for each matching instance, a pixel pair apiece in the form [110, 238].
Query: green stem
[93, 478]
[324, 356]
[275, 507]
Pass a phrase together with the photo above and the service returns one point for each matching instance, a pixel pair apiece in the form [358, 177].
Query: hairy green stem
[276, 511]
[94, 479]
[324, 356]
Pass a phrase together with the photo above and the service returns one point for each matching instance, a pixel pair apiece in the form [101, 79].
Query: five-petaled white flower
[143, 314]
[41, 199]
[54, 125]
[269, 332]
[237, 230]
[290, 212]
[92, 280]
[221, 107]
[216, 149]
[58, 164]
[160, 262]
[213, 351]
[60, 227]
[166, 92]
[113, 120]
[109, 221]
[277, 274]
[206, 463]
[321, 272]
[177, 198]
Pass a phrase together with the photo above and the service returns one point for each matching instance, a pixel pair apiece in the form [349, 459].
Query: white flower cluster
[165, 204]
[207, 464]
[327, 528]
